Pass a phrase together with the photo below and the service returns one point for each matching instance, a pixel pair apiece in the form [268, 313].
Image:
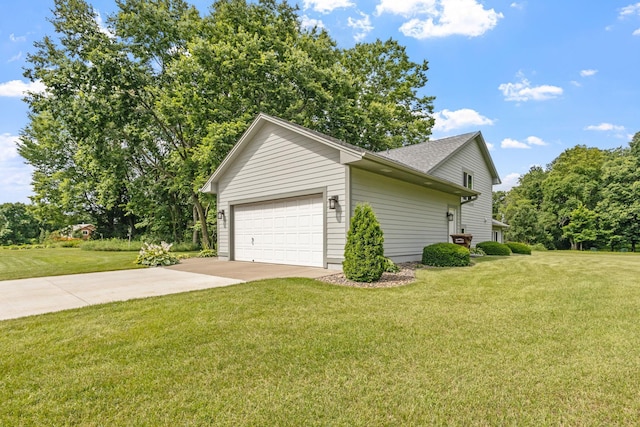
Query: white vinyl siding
[411, 216]
[275, 164]
[476, 216]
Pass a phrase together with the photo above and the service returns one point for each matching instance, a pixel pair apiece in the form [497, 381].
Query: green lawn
[23, 263]
[548, 339]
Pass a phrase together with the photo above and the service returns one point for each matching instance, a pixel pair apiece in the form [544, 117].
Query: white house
[286, 194]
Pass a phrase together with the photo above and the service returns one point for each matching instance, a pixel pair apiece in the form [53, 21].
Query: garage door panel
[286, 232]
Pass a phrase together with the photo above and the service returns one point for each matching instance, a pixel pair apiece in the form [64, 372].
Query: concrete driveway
[26, 297]
[247, 271]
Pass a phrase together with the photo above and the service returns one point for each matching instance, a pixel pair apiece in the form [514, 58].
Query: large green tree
[17, 224]
[574, 179]
[137, 116]
[619, 208]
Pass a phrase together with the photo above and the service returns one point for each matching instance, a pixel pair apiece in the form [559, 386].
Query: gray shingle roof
[427, 155]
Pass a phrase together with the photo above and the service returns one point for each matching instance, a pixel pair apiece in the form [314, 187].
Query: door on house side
[284, 231]
[453, 225]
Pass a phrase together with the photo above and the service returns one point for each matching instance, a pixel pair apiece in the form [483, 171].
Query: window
[467, 180]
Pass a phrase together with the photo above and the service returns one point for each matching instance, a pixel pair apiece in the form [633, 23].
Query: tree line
[586, 198]
[138, 113]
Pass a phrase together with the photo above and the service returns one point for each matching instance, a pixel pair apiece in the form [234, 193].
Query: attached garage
[285, 231]
[285, 195]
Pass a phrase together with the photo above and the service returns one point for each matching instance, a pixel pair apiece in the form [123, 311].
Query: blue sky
[536, 77]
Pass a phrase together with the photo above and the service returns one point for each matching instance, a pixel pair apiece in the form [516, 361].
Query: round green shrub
[446, 255]
[539, 247]
[364, 259]
[519, 248]
[494, 248]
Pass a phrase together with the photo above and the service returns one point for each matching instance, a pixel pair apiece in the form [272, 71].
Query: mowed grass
[24, 263]
[547, 339]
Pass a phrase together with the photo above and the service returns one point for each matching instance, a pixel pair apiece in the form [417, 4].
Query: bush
[68, 243]
[390, 266]
[494, 248]
[111, 245]
[519, 248]
[154, 255]
[475, 251]
[207, 253]
[185, 247]
[364, 259]
[446, 255]
[539, 247]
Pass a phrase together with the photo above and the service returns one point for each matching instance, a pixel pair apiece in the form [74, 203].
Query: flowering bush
[155, 255]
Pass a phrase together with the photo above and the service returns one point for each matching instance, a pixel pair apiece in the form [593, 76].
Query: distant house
[286, 194]
[83, 231]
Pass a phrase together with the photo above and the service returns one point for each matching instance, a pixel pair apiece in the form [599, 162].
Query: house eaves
[349, 155]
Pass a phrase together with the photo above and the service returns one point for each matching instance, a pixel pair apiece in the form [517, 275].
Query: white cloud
[632, 9]
[490, 146]
[15, 183]
[18, 88]
[307, 22]
[512, 143]
[534, 140]
[17, 39]
[447, 120]
[15, 179]
[523, 91]
[604, 127]
[407, 8]
[326, 6]
[575, 83]
[508, 182]
[15, 57]
[588, 73]
[362, 26]
[8, 147]
[102, 26]
[441, 18]
[519, 6]
[528, 142]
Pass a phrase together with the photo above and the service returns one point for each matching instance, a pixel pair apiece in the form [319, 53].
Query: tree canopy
[586, 197]
[136, 115]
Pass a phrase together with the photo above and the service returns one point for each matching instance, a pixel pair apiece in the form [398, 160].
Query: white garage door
[286, 231]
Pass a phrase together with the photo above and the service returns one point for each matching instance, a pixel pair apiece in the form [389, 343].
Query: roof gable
[350, 151]
[428, 156]
[349, 154]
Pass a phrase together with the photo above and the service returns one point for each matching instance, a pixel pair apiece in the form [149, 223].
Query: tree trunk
[194, 237]
[203, 221]
[633, 246]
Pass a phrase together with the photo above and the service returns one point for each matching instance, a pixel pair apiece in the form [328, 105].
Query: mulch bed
[406, 275]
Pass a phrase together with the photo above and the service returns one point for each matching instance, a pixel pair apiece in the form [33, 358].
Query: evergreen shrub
[364, 259]
[519, 248]
[494, 248]
[390, 266]
[446, 255]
